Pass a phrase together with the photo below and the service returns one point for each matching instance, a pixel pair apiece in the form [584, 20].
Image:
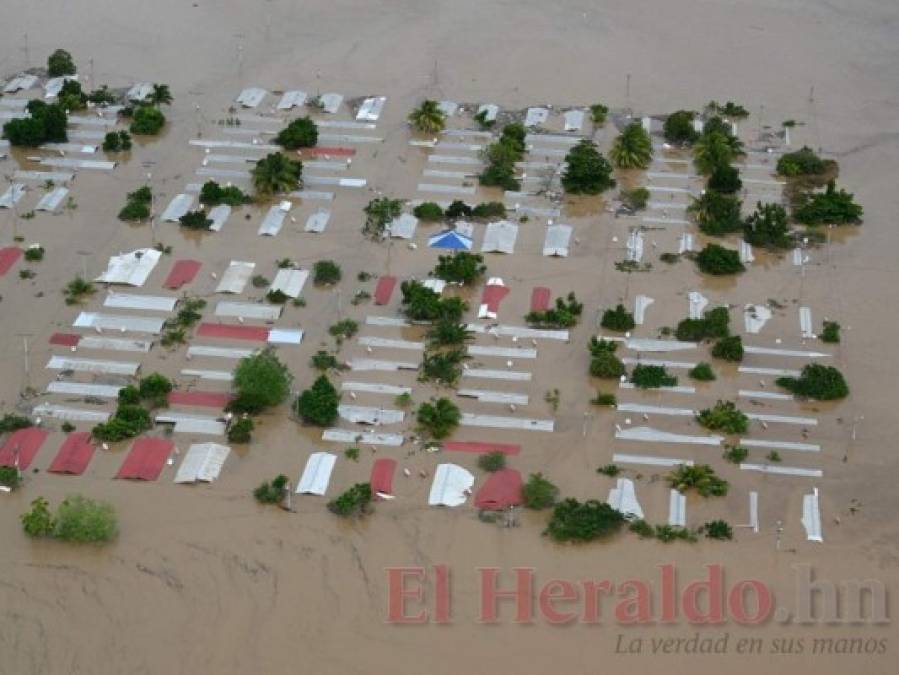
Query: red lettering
[557, 590]
[736, 602]
[522, 594]
[713, 589]
[636, 608]
[592, 590]
[397, 593]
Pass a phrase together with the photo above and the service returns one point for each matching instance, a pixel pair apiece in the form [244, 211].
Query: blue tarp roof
[450, 239]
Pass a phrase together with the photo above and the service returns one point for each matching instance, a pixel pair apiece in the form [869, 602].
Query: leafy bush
[718, 261]
[725, 179]
[155, 387]
[618, 319]
[538, 492]
[802, 162]
[735, 453]
[822, 383]
[213, 194]
[195, 220]
[352, 453]
[259, 281]
[128, 421]
[831, 332]
[583, 521]
[85, 520]
[724, 416]
[773, 456]
[271, 493]
[768, 227]
[702, 372]
[715, 147]
[354, 502]
[717, 214]
[443, 367]
[588, 172]
[318, 404]
[718, 529]
[486, 210]
[668, 533]
[461, 267]
[241, 430]
[326, 272]
[344, 329]
[13, 423]
[483, 122]
[60, 63]
[501, 157]
[652, 377]
[300, 133]
[633, 148]
[260, 381]
[700, 477]
[598, 114]
[138, 204]
[678, 127]
[34, 253]
[420, 303]
[117, 141]
[635, 199]
[603, 362]
[729, 348]
[713, 324]
[10, 477]
[38, 522]
[603, 398]
[831, 206]
[564, 315]
[438, 418]
[492, 461]
[642, 529]
[147, 121]
[323, 360]
[428, 211]
[610, 470]
[729, 109]
[277, 296]
[378, 213]
[46, 124]
[275, 173]
[458, 209]
[403, 400]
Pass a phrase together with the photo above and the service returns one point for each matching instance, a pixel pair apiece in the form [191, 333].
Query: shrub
[831, 206]
[344, 329]
[271, 493]
[13, 423]
[679, 127]
[565, 314]
[137, 205]
[719, 261]
[642, 529]
[117, 141]
[461, 267]
[438, 418]
[487, 210]
[729, 109]
[378, 213]
[260, 381]
[34, 253]
[458, 209]
[735, 453]
[773, 456]
[729, 348]
[724, 416]
[195, 220]
[76, 289]
[713, 324]
[60, 63]
[326, 272]
[603, 362]
[354, 502]
[588, 172]
[323, 360]
[277, 296]
[213, 194]
[38, 522]
[443, 367]
[403, 400]
[718, 529]
[598, 114]
[831, 332]
[428, 211]
[189, 312]
[725, 179]
[154, 387]
[102, 96]
[420, 303]
[10, 477]
[147, 121]
[129, 420]
[300, 133]
[610, 470]
[259, 281]
[583, 521]
[241, 430]
[823, 383]
[483, 122]
[85, 520]
[492, 461]
[538, 492]
[618, 319]
[802, 162]
[633, 148]
[702, 372]
[46, 124]
[501, 157]
[700, 477]
[603, 398]
[318, 404]
[668, 533]
[275, 173]
[652, 377]
[768, 227]
[717, 214]
[635, 199]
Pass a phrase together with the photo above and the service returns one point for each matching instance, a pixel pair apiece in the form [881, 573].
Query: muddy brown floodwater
[203, 580]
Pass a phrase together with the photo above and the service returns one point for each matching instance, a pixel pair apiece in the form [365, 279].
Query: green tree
[633, 148]
[438, 418]
[318, 404]
[831, 332]
[155, 387]
[729, 348]
[768, 227]
[564, 314]
[583, 521]
[700, 477]
[196, 220]
[652, 377]
[260, 381]
[10, 477]
[802, 162]
[448, 333]
[679, 127]
[147, 121]
[271, 492]
[492, 461]
[354, 502]
[618, 319]
[822, 383]
[137, 205]
[598, 114]
[300, 133]
[603, 362]
[711, 151]
[718, 261]
[326, 272]
[38, 522]
[428, 117]
[241, 430]
[160, 95]
[718, 529]
[831, 207]
[444, 367]
[724, 416]
[46, 124]
[702, 372]
[725, 179]
[378, 213]
[588, 172]
[538, 492]
[85, 520]
[488, 210]
[429, 211]
[213, 194]
[275, 173]
[462, 267]
[60, 63]
[458, 209]
[420, 303]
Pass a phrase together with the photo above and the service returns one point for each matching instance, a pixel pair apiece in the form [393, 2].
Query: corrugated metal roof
[500, 422]
[131, 269]
[52, 200]
[318, 221]
[179, 205]
[535, 117]
[446, 189]
[192, 424]
[249, 310]
[84, 389]
[291, 99]
[139, 91]
[493, 396]
[487, 374]
[504, 352]
[520, 332]
[656, 436]
[557, 239]
[92, 366]
[73, 163]
[374, 364]
[623, 499]
[451, 487]
[44, 176]
[312, 195]
[61, 412]
[490, 111]
[16, 104]
[371, 109]
[390, 321]
[54, 85]
[156, 303]
[241, 145]
[285, 336]
[274, 220]
[500, 237]
[251, 97]
[215, 375]
[366, 437]
[359, 414]
[372, 341]
[574, 120]
[20, 82]
[448, 108]
[12, 195]
[317, 474]
[219, 352]
[290, 282]
[783, 470]
[93, 121]
[235, 277]
[120, 322]
[330, 102]
[649, 461]
[71, 147]
[203, 462]
[811, 517]
[375, 388]
[218, 215]
[114, 344]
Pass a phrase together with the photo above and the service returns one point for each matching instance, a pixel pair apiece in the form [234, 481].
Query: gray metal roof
[13, 194]
[291, 99]
[366, 437]
[375, 388]
[536, 116]
[331, 102]
[219, 352]
[67, 414]
[318, 221]
[218, 215]
[557, 239]
[84, 389]
[203, 374]
[371, 109]
[251, 97]
[20, 82]
[249, 310]
[403, 227]
[499, 422]
[359, 414]
[114, 344]
[290, 282]
[500, 237]
[154, 303]
[179, 205]
[92, 366]
[274, 220]
[388, 343]
[192, 424]
[574, 120]
[235, 277]
[120, 322]
[491, 110]
[203, 462]
[285, 336]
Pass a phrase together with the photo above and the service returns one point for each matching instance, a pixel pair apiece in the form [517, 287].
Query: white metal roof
[52, 200]
[331, 102]
[556, 242]
[535, 117]
[317, 474]
[139, 91]
[318, 221]
[179, 205]
[620, 458]
[359, 414]
[391, 321]
[218, 215]
[251, 97]
[75, 163]
[43, 176]
[811, 517]
[248, 310]
[697, 302]
[12, 195]
[120, 322]
[235, 277]
[203, 462]
[92, 121]
[155, 303]
[375, 364]
[293, 98]
[20, 82]
[203, 374]
[521, 332]
[67, 414]
[436, 285]
[285, 336]
[390, 343]
[783, 470]
[493, 396]
[71, 147]
[448, 108]
[274, 220]
[491, 110]
[656, 436]
[501, 422]
[451, 486]
[290, 282]
[92, 366]
[53, 86]
[114, 344]
[500, 237]
[366, 437]
[622, 498]
[403, 227]
[371, 108]
[131, 269]
[219, 352]
[488, 374]
[15, 104]
[83, 389]
[574, 120]
[375, 388]
[504, 352]
[192, 424]
[677, 509]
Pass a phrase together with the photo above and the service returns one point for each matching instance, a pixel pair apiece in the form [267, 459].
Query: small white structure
[290, 282]
[248, 310]
[179, 205]
[52, 200]
[451, 486]
[448, 108]
[488, 111]
[12, 195]
[203, 462]
[235, 277]
[54, 85]
[360, 414]
[623, 498]
[500, 237]
[755, 317]
[641, 303]
[20, 83]
[697, 303]
[285, 336]
[371, 109]
[93, 366]
[535, 117]
[219, 216]
[292, 99]
[131, 269]
[805, 323]
[746, 255]
[403, 227]
[251, 97]
[574, 120]
[635, 246]
[317, 474]
[330, 102]
[153, 303]
[139, 92]
[274, 219]
[556, 241]
[677, 509]
[811, 517]
[685, 244]
[318, 221]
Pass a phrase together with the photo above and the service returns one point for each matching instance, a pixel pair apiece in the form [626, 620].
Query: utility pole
[27, 352]
[25, 49]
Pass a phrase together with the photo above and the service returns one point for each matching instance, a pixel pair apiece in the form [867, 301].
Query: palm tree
[439, 418]
[428, 117]
[633, 148]
[446, 332]
[712, 150]
[160, 94]
[276, 173]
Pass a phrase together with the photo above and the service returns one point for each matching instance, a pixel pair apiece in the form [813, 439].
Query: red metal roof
[209, 399]
[382, 476]
[23, 443]
[333, 151]
[146, 459]
[481, 447]
[8, 258]
[540, 299]
[493, 295]
[65, 339]
[502, 489]
[384, 290]
[183, 272]
[74, 454]
[232, 332]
